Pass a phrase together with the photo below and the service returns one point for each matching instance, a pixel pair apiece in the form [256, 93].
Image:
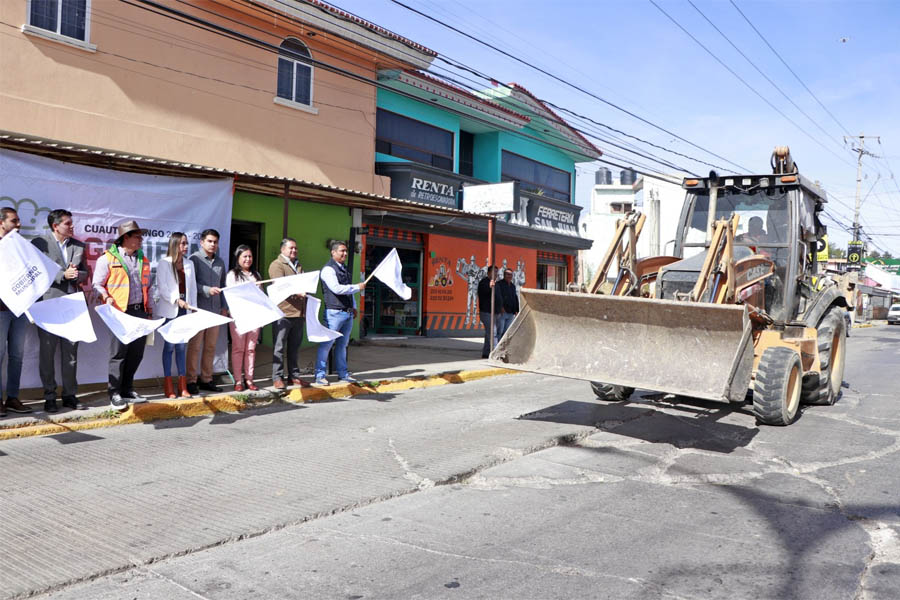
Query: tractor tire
[613, 393]
[831, 335]
[776, 391]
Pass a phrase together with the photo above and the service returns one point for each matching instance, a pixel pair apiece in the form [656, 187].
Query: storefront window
[551, 277]
[386, 312]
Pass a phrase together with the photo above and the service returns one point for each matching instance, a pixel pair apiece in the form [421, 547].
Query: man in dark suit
[68, 253]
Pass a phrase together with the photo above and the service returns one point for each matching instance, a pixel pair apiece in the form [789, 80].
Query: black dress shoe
[193, 389]
[209, 386]
[50, 406]
[73, 403]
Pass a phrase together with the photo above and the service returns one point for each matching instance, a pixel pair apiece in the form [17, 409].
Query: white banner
[249, 307]
[124, 326]
[389, 272]
[315, 331]
[25, 272]
[100, 199]
[302, 283]
[182, 329]
[66, 316]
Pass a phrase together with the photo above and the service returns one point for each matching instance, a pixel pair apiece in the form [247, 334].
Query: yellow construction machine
[737, 306]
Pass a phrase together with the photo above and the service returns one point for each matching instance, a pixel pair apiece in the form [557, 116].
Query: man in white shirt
[340, 309]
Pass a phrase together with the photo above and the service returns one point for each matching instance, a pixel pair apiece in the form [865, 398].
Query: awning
[281, 187]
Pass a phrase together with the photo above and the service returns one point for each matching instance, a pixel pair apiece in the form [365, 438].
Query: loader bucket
[687, 348]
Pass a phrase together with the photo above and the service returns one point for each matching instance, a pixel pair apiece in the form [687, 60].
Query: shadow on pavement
[699, 428]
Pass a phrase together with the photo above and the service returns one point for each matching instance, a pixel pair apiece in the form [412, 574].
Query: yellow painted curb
[345, 390]
[136, 413]
[196, 407]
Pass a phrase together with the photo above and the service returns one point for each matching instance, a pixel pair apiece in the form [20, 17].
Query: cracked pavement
[519, 486]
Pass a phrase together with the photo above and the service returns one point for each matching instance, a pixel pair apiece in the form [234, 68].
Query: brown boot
[183, 387]
[168, 389]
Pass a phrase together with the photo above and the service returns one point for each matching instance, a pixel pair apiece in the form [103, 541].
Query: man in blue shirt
[340, 310]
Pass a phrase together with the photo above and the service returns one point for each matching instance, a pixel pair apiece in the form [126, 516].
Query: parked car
[893, 315]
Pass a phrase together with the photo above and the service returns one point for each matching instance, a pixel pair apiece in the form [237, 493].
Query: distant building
[660, 200]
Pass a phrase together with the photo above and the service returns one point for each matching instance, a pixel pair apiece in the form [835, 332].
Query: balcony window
[413, 140]
[536, 177]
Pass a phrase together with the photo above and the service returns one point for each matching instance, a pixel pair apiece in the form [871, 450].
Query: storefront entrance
[385, 311]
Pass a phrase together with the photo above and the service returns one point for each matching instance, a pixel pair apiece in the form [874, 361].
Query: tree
[874, 254]
[835, 252]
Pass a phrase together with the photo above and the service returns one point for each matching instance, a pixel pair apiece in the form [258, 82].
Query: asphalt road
[513, 487]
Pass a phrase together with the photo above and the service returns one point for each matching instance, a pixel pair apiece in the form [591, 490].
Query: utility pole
[860, 151]
[855, 249]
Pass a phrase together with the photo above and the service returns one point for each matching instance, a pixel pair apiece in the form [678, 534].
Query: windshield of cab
[763, 227]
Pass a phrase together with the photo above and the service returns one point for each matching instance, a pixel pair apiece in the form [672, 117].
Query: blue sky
[631, 54]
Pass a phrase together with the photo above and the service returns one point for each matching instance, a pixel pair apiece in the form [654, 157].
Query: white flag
[182, 329]
[124, 326]
[315, 331]
[249, 307]
[66, 316]
[388, 271]
[302, 283]
[25, 272]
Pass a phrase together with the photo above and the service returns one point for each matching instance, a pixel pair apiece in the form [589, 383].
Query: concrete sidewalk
[380, 363]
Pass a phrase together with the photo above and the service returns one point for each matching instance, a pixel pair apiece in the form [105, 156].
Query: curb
[234, 403]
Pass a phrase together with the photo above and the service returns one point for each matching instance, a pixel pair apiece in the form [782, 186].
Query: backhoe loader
[737, 307]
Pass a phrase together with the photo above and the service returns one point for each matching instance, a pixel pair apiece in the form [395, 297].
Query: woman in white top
[176, 289]
[243, 347]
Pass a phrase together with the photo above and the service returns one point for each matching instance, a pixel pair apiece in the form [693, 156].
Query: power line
[741, 79]
[567, 83]
[760, 71]
[775, 52]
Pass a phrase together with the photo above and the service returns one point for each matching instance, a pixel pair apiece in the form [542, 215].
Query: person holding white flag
[12, 334]
[68, 253]
[288, 330]
[243, 346]
[340, 310]
[122, 279]
[176, 289]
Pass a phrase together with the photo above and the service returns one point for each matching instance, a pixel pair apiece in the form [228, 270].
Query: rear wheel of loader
[608, 391]
[831, 334]
[776, 393]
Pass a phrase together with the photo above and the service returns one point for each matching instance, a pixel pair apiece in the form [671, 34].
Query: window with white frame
[295, 73]
[67, 18]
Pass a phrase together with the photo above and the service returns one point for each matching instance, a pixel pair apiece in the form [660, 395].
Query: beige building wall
[159, 87]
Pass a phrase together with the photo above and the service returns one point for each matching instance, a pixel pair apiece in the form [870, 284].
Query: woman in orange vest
[122, 279]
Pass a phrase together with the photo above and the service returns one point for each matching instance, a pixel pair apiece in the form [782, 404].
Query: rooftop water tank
[627, 177]
[603, 176]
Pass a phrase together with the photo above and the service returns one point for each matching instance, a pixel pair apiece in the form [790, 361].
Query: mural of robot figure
[519, 277]
[472, 273]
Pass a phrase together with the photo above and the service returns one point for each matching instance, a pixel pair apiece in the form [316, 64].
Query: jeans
[503, 322]
[336, 320]
[180, 351]
[486, 322]
[12, 338]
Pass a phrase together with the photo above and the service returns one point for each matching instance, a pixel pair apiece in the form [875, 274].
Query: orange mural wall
[451, 281]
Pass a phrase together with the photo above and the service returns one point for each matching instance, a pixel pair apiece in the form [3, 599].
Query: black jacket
[484, 297]
[509, 295]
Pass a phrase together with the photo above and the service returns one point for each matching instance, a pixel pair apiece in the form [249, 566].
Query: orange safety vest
[118, 284]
